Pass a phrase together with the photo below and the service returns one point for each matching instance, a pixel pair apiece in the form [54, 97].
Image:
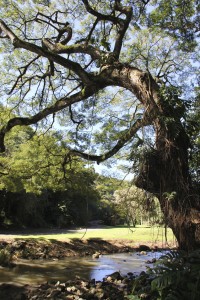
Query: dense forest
[39, 190]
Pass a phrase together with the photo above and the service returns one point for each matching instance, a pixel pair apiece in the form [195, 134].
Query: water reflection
[39, 271]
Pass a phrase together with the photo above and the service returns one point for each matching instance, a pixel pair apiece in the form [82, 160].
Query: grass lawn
[140, 234]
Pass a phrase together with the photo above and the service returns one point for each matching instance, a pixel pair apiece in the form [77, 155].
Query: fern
[177, 276]
[161, 282]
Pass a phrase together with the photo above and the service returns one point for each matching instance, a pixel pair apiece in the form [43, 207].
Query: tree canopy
[58, 60]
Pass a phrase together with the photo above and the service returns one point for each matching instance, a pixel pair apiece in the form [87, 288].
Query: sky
[114, 171]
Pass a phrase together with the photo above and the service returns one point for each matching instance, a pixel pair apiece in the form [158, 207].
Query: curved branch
[18, 43]
[58, 106]
[113, 19]
[95, 53]
[121, 142]
[122, 24]
[7, 31]
[63, 31]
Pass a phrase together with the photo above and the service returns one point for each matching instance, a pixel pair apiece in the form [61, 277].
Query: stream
[39, 271]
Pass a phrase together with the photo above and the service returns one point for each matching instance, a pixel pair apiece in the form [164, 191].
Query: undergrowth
[175, 276]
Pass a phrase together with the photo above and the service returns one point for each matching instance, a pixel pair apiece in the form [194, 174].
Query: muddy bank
[47, 249]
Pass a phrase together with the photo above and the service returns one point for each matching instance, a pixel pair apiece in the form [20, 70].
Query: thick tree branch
[111, 18]
[58, 48]
[7, 31]
[120, 144]
[66, 63]
[58, 106]
[122, 27]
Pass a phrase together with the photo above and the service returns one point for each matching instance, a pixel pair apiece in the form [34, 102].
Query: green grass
[138, 234]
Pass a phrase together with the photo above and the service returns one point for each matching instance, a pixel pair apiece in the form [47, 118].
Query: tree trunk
[165, 169]
[165, 173]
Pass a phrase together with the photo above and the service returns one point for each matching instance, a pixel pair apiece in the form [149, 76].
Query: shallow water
[38, 271]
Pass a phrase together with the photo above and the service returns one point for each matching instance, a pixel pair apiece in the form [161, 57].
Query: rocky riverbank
[113, 287]
[48, 249]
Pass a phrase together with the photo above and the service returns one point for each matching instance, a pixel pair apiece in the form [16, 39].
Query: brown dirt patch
[48, 249]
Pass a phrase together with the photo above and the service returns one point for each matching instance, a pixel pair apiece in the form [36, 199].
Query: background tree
[41, 186]
[138, 206]
[109, 212]
[146, 51]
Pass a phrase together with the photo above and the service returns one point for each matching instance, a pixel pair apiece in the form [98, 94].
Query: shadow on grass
[37, 231]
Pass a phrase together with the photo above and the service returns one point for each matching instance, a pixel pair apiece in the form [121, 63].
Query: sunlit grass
[138, 234]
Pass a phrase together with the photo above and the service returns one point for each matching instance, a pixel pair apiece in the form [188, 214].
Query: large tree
[113, 72]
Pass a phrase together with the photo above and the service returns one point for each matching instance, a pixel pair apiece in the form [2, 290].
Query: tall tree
[116, 70]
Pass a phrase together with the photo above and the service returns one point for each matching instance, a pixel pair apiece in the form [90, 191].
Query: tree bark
[165, 173]
[180, 204]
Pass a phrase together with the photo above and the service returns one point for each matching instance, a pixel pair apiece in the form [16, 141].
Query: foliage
[177, 18]
[174, 276]
[40, 184]
[37, 164]
[138, 206]
[108, 211]
[177, 276]
[133, 297]
[49, 209]
[33, 171]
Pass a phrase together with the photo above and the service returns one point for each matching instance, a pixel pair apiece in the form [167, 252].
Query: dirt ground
[40, 248]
